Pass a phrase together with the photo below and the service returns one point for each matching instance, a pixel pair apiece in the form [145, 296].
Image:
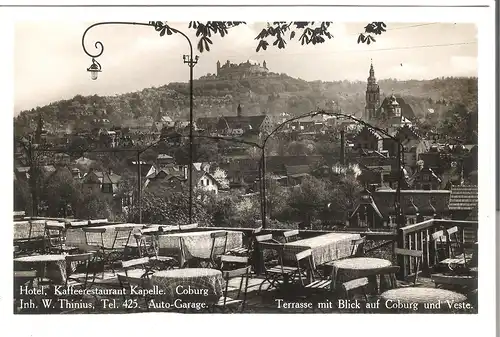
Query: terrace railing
[418, 237]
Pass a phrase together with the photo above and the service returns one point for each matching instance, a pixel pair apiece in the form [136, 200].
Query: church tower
[264, 64]
[372, 96]
[218, 67]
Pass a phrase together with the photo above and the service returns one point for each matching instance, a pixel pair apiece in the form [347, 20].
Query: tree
[94, 206]
[221, 176]
[278, 32]
[62, 195]
[309, 199]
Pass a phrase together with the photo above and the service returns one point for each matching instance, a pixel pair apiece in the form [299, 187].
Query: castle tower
[372, 96]
[264, 64]
[218, 67]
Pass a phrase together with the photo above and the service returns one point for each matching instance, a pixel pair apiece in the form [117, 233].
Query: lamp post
[190, 60]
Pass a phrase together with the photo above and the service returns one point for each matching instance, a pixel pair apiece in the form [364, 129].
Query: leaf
[162, 32]
[292, 35]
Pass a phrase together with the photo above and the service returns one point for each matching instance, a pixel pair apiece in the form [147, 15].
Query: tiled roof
[463, 198]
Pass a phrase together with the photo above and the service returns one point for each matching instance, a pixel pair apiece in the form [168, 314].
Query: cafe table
[357, 267]
[203, 285]
[52, 266]
[195, 245]
[324, 248]
[420, 299]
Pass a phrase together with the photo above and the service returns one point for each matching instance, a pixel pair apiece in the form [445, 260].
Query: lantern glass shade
[93, 74]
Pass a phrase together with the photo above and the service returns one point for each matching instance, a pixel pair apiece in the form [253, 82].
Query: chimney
[238, 110]
[342, 148]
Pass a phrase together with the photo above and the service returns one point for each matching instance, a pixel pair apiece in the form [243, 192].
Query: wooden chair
[243, 272]
[219, 244]
[139, 277]
[246, 251]
[55, 238]
[417, 255]
[148, 247]
[359, 284]
[457, 248]
[80, 280]
[439, 244]
[275, 273]
[291, 236]
[358, 247]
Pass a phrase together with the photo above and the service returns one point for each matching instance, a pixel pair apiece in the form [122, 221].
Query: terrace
[307, 271]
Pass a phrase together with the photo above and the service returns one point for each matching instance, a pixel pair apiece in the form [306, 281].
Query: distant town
[327, 153]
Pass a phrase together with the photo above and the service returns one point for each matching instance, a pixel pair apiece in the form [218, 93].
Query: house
[428, 203]
[366, 214]
[103, 182]
[369, 139]
[425, 178]
[164, 159]
[463, 201]
[176, 180]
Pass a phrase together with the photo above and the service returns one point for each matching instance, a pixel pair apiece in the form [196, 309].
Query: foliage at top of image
[277, 33]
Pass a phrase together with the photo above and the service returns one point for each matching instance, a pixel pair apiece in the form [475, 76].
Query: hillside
[271, 95]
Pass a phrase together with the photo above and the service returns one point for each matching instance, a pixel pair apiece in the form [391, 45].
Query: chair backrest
[54, 234]
[265, 237]
[94, 236]
[147, 244]
[416, 254]
[291, 235]
[304, 258]
[144, 278]
[358, 246]
[189, 226]
[355, 284]
[122, 236]
[219, 243]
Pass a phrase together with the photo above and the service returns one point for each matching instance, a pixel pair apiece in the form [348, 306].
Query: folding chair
[439, 245]
[456, 247]
[417, 255]
[243, 272]
[80, 280]
[350, 287]
[275, 273]
[147, 245]
[135, 277]
[219, 244]
[291, 236]
[246, 251]
[55, 238]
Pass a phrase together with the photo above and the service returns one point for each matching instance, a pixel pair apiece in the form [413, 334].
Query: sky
[50, 64]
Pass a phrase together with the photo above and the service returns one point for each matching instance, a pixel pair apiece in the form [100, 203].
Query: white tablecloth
[325, 248]
[197, 244]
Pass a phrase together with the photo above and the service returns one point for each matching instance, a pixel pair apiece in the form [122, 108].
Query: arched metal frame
[188, 59]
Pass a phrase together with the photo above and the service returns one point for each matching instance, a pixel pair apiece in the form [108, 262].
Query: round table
[52, 266]
[202, 284]
[353, 268]
[414, 299]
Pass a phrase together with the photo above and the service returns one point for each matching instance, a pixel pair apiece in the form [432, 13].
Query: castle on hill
[233, 71]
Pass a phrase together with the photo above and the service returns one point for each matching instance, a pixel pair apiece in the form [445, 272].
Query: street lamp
[94, 69]
[190, 60]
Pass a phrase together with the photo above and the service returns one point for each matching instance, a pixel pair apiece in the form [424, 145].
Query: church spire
[372, 72]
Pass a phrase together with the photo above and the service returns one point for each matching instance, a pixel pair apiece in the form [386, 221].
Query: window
[107, 188]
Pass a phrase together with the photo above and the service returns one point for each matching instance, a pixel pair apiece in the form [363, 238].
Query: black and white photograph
[248, 167]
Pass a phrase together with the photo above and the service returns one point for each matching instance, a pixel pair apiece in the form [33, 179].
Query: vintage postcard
[249, 166]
